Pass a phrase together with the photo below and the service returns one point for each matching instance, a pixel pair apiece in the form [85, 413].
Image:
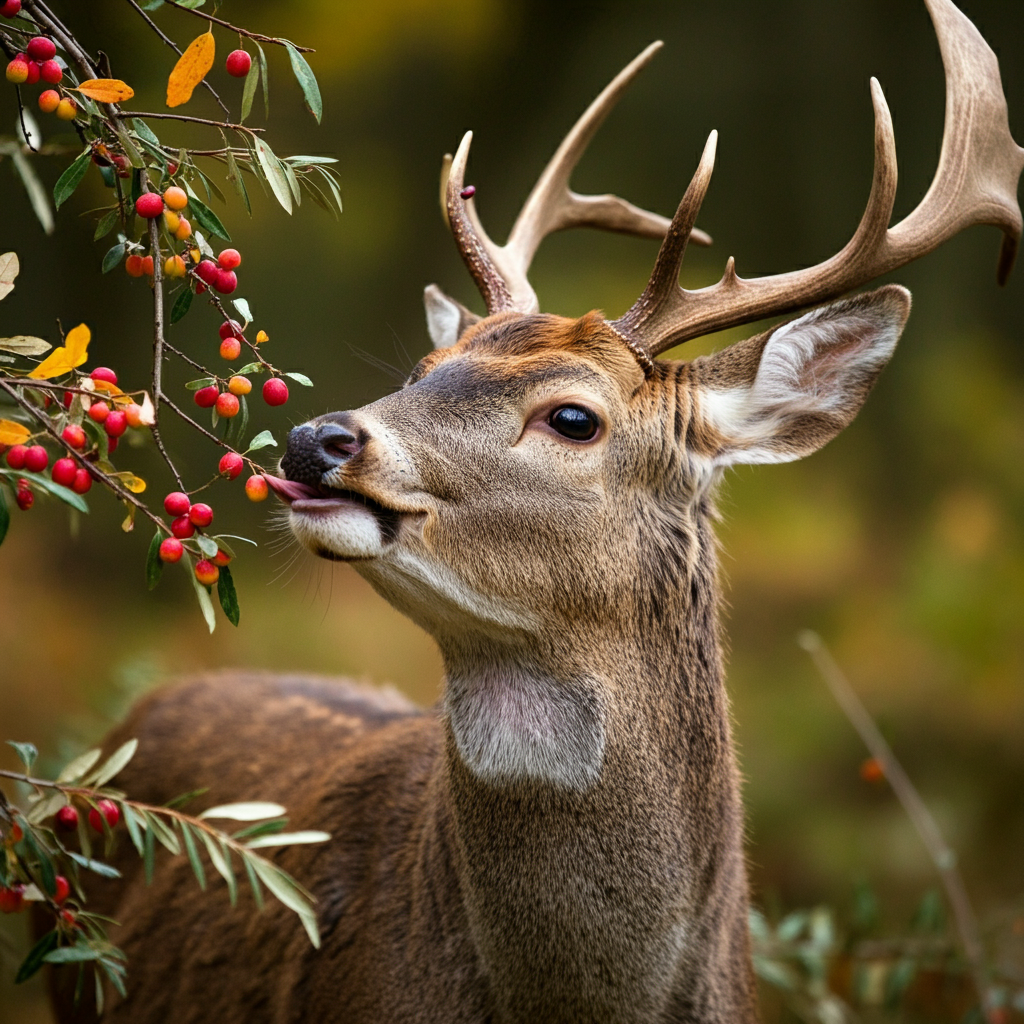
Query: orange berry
[133, 413]
[49, 101]
[239, 385]
[176, 198]
[227, 405]
[230, 348]
[206, 572]
[174, 266]
[171, 221]
[871, 770]
[183, 231]
[66, 109]
[256, 488]
[147, 265]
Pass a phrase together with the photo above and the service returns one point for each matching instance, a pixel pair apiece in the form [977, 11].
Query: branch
[26, 134]
[193, 120]
[943, 857]
[47, 20]
[234, 28]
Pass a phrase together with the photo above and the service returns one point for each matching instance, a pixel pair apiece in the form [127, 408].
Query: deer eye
[574, 422]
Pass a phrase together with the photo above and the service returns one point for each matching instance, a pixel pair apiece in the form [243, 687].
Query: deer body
[561, 839]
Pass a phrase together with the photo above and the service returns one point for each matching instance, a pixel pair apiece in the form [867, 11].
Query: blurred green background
[900, 543]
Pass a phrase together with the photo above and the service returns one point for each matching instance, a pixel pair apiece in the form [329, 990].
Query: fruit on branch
[177, 503]
[16, 456]
[116, 423]
[171, 550]
[61, 889]
[103, 373]
[239, 385]
[40, 48]
[230, 348]
[206, 572]
[221, 558]
[11, 8]
[256, 488]
[238, 63]
[227, 405]
[149, 205]
[33, 72]
[230, 329]
[176, 198]
[66, 819]
[51, 72]
[174, 266]
[207, 271]
[183, 230]
[231, 465]
[74, 435]
[230, 259]
[182, 528]
[147, 265]
[83, 481]
[99, 411]
[12, 900]
[112, 443]
[226, 281]
[200, 514]
[171, 221]
[206, 398]
[275, 391]
[109, 811]
[23, 496]
[64, 471]
[36, 459]
[134, 265]
[133, 413]
[17, 70]
[67, 109]
[49, 101]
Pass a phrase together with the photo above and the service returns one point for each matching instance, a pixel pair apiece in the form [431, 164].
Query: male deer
[562, 839]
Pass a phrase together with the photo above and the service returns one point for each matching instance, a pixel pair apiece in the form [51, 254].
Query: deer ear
[786, 393]
[446, 318]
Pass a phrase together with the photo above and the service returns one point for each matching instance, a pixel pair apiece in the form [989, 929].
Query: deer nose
[315, 450]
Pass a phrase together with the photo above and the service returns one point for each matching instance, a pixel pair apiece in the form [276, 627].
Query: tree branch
[234, 28]
[192, 120]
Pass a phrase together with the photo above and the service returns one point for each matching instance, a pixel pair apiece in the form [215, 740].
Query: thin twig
[26, 134]
[48, 21]
[234, 28]
[198, 426]
[188, 359]
[942, 855]
[174, 46]
[191, 120]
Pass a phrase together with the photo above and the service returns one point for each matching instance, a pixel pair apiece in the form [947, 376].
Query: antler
[500, 270]
[975, 183]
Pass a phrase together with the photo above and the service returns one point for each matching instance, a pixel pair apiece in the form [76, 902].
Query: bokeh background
[900, 543]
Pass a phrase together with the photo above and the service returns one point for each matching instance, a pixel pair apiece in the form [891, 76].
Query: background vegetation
[900, 543]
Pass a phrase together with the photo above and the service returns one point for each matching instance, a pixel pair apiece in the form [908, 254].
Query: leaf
[235, 177]
[117, 760]
[265, 79]
[288, 839]
[24, 345]
[202, 382]
[5, 516]
[242, 305]
[182, 304]
[63, 360]
[228, 596]
[206, 218]
[301, 378]
[37, 194]
[72, 955]
[207, 545]
[113, 257]
[144, 132]
[261, 440]
[110, 90]
[27, 753]
[45, 808]
[163, 833]
[96, 866]
[205, 604]
[251, 368]
[307, 80]
[191, 69]
[66, 495]
[133, 483]
[154, 566]
[286, 890]
[106, 224]
[76, 769]
[131, 821]
[276, 177]
[265, 828]
[9, 268]
[13, 433]
[184, 798]
[71, 178]
[37, 954]
[193, 855]
[257, 889]
[252, 810]
[221, 860]
[149, 853]
[249, 88]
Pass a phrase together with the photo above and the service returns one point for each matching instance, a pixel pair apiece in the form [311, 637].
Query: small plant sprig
[39, 865]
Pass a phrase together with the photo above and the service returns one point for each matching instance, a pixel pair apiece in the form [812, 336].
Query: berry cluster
[189, 517]
[40, 63]
[219, 276]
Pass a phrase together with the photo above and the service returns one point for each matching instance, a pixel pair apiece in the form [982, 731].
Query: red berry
[83, 481]
[229, 259]
[177, 503]
[116, 423]
[24, 498]
[256, 488]
[62, 889]
[104, 373]
[147, 265]
[33, 72]
[49, 100]
[206, 572]
[871, 770]
[16, 456]
[17, 70]
[200, 514]
[66, 819]
[51, 72]
[112, 443]
[149, 205]
[230, 348]
[238, 63]
[109, 811]
[226, 282]
[275, 391]
[36, 459]
[230, 465]
[221, 558]
[182, 528]
[206, 398]
[74, 435]
[12, 900]
[64, 471]
[10, 8]
[227, 405]
[207, 271]
[40, 48]
[134, 265]
[99, 411]
[171, 550]
[229, 329]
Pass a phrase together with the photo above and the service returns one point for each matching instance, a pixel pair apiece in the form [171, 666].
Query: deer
[560, 839]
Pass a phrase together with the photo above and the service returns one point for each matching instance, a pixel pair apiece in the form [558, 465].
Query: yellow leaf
[12, 433]
[133, 483]
[106, 90]
[64, 359]
[190, 70]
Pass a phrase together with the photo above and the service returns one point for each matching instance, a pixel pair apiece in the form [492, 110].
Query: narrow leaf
[113, 764]
[113, 257]
[242, 305]
[235, 177]
[154, 566]
[9, 268]
[27, 753]
[205, 604]
[72, 955]
[37, 194]
[265, 79]
[252, 810]
[288, 839]
[107, 90]
[58, 491]
[71, 178]
[202, 382]
[261, 440]
[76, 769]
[221, 860]
[307, 81]
[37, 954]
[149, 853]
[144, 132]
[5, 516]
[206, 218]
[182, 304]
[301, 378]
[249, 88]
[257, 889]
[207, 545]
[96, 866]
[276, 177]
[131, 821]
[105, 225]
[265, 828]
[193, 855]
[163, 832]
[191, 69]
[228, 596]
[24, 345]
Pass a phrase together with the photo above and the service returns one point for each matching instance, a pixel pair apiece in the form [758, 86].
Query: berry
[230, 465]
[49, 101]
[171, 550]
[68, 919]
[149, 205]
[227, 405]
[11, 8]
[177, 504]
[230, 329]
[69, 397]
[16, 456]
[64, 471]
[226, 282]
[174, 266]
[200, 514]
[12, 900]
[32, 67]
[229, 259]
[67, 109]
[238, 63]
[17, 71]
[36, 459]
[182, 528]
[239, 385]
[171, 220]
[24, 497]
[99, 411]
[112, 443]
[207, 271]
[183, 230]
[66, 819]
[256, 488]
[74, 435]
[206, 572]
[109, 811]
[275, 391]
[116, 423]
[230, 348]
[104, 373]
[83, 481]
[176, 198]
[871, 770]
[133, 413]
[134, 265]
[221, 558]
[40, 48]
[147, 265]
[51, 72]
[262, 336]
[206, 398]
[62, 889]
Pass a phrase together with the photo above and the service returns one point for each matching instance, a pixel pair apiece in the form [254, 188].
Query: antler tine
[975, 183]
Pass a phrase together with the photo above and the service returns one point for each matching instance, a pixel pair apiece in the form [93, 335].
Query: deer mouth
[324, 500]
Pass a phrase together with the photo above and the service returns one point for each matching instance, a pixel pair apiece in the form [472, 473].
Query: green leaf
[205, 604]
[71, 178]
[154, 565]
[206, 218]
[228, 596]
[301, 378]
[251, 368]
[286, 889]
[37, 853]
[193, 855]
[5, 516]
[181, 304]
[242, 306]
[96, 866]
[202, 382]
[252, 79]
[36, 956]
[265, 79]
[117, 760]
[27, 753]
[207, 545]
[289, 839]
[46, 807]
[113, 257]
[131, 821]
[72, 955]
[144, 132]
[235, 176]
[106, 225]
[65, 495]
[275, 175]
[36, 192]
[309, 161]
[76, 769]
[163, 832]
[149, 853]
[184, 798]
[261, 440]
[251, 810]
[257, 889]
[307, 80]
[265, 828]
[221, 860]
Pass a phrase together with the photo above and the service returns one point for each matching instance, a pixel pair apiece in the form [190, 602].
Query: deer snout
[314, 450]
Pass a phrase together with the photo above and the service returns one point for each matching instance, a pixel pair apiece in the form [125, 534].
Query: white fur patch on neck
[517, 727]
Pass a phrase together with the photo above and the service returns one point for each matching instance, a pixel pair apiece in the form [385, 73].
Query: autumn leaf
[12, 433]
[9, 268]
[107, 90]
[133, 483]
[190, 70]
[64, 359]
